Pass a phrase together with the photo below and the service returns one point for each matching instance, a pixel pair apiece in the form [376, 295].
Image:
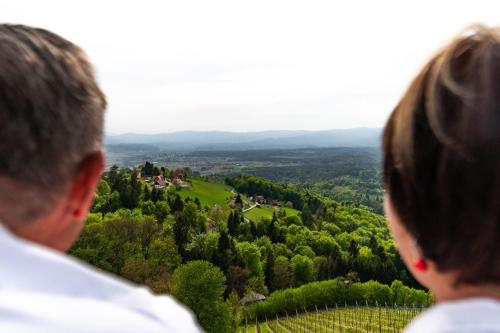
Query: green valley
[215, 244]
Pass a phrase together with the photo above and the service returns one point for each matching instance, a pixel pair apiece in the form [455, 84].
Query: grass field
[210, 193]
[342, 320]
[257, 213]
[213, 193]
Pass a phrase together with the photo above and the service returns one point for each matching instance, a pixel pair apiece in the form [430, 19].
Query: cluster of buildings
[176, 178]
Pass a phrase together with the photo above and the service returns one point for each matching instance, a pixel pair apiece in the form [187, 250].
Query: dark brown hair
[51, 118]
[441, 150]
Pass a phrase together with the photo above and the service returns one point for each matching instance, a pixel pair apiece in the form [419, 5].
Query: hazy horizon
[170, 66]
[242, 131]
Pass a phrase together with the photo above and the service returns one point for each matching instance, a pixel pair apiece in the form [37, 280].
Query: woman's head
[441, 150]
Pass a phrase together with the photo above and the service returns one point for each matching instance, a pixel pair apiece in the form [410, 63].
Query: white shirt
[474, 315]
[44, 291]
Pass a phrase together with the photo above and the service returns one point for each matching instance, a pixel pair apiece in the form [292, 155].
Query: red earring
[76, 212]
[420, 265]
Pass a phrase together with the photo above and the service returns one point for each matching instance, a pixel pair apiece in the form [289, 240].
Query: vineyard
[345, 319]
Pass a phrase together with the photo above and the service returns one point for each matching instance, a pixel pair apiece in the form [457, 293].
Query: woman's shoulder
[475, 315]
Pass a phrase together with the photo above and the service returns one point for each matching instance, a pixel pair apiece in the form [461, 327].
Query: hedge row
[332, 292]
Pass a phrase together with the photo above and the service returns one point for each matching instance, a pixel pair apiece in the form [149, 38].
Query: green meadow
[257, 213]
[210, 193]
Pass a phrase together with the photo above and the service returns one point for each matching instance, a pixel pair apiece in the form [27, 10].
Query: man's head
[51, 126]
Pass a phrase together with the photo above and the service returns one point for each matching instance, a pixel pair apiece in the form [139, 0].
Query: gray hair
[51, 117]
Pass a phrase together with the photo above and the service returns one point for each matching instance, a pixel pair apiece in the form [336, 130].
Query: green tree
[223, 256]
[136, 269]
[135, 190]
[148, 207]
[273, 230]
[147, 169]
[250, 254]
[269, 270]
[181, 233]
[303, 270]
[353, 248]
[216, 216]
[231, 226]
[177, 205]
[103, 188]
[238, 200]
[321, 265]
[200, 286]
[163, 253]
[203, 246]
[146, 193]
[197, 202]
[156, 194]
[307, 216]
[237, 279]
[282, 274]
[165, 172]
[161, 210]
[233, 222]
[113, 176]
[156, 171]
[253, 230]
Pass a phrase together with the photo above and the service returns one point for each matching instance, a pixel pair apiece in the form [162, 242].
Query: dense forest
[161, 228]
[350, 176]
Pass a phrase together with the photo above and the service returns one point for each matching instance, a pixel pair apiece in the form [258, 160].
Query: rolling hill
[191, 140]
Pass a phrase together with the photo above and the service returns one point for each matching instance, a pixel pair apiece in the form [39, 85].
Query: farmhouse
[260, 199]
[158, 182]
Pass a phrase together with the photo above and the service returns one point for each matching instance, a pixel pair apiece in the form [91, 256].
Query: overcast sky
[252, 65]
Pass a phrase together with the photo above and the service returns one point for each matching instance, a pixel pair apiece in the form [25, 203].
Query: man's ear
[84, 184]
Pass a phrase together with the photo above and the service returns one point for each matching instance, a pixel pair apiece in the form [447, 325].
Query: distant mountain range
[218, 140]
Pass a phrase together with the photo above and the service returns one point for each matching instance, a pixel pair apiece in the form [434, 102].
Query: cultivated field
[362, 319]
